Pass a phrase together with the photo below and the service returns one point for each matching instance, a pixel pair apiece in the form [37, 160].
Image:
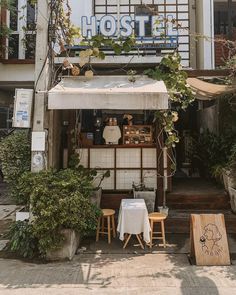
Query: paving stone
[116, 274]
[3, 244]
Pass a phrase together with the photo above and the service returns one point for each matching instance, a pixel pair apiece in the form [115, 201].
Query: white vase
[163, 210]
[227, 179]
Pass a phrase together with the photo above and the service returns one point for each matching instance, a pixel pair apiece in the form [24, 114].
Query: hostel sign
[109, 26]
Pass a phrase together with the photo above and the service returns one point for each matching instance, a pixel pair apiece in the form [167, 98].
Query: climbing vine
[181, 94]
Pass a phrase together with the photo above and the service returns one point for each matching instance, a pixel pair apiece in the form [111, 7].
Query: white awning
[208, 91]
[108, 92]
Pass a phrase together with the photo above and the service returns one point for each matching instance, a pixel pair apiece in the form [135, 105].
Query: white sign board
[38, 141]
[23, 108]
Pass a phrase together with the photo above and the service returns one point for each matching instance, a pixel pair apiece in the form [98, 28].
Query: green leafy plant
[232, 162]
[170, 71]
[22, 239]
[59, 200]
[212, 153]
[93, 175]
[15, 157]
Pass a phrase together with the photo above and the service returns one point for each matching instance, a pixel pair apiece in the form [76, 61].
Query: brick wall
[221, 51]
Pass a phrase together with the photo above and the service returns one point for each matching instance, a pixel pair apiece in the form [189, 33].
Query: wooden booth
[115, 121]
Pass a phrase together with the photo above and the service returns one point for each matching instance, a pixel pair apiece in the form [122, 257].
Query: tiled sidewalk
[116, 274]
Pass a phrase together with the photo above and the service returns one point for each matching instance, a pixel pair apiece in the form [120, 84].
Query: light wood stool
[157, 218]
[109, 215]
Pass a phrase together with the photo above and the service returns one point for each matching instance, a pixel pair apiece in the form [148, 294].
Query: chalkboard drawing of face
[210, 240]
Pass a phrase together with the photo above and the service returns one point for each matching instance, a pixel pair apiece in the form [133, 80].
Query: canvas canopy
[208, 91]
[109, 92]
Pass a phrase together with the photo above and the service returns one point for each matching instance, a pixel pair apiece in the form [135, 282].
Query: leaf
[102, 55]
[117, 49]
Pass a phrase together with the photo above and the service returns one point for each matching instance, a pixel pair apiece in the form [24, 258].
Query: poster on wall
[23, 108]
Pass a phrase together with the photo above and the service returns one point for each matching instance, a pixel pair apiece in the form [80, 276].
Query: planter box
[149, 198]
[68, 247]
[232, 193]
[96, 197]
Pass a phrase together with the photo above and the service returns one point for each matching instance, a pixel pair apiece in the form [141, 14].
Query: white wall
[205, 27]
[16, 72]
[80, 8]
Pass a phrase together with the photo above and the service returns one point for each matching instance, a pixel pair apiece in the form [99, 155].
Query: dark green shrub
[23, 240]
[15, 158]
[232, 162]
[59, 200]
[212, 153]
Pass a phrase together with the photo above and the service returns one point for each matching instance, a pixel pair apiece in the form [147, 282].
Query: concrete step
[178, 221]
[214, 201]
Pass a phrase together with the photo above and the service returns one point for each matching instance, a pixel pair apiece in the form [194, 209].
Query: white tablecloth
[133, 219]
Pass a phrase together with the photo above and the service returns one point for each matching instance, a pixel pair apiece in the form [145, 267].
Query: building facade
[183, 25]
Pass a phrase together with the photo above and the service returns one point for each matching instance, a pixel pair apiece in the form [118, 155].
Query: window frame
[21, 23]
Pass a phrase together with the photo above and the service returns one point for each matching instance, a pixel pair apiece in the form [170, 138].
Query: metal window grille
[179, 9]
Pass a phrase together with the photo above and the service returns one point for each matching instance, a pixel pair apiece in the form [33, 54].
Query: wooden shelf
[112, 146]
[137, 134]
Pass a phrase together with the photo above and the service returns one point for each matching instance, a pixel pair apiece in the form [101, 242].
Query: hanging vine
[181, 94]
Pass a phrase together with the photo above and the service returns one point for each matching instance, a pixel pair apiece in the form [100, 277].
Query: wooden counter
[120, 146]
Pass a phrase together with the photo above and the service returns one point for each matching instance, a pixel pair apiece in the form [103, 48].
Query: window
[22, 22]
[171, 9]
[144, 10]
[5, 118]
[221, 17]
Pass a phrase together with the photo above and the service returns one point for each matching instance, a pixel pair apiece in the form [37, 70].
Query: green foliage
[212, 153]
[93, 176]
[15, 157]
[232, 161]
[59, 200]
[8, 4]
[22, 239]
[227, 116]
[5, 31]
[170, 71]
[167, 119]
[122, 45]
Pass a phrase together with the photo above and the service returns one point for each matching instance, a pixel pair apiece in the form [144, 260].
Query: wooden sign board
[208, 239]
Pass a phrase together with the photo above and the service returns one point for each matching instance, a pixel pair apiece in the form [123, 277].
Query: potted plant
[62, 211]
[97, 189]
[232, 176]
[141, 191]
[96, 178]
[228, 180]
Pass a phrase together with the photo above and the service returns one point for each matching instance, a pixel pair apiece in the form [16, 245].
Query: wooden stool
[108, 214]
[157, 218]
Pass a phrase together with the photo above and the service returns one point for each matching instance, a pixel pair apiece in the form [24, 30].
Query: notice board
[208, 239]
[23, 108]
